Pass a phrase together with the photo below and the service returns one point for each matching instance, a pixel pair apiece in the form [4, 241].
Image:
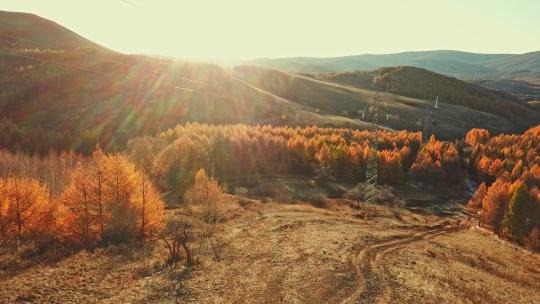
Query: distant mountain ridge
[449, 62]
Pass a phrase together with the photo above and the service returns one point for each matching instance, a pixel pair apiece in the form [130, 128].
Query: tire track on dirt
[372, 287]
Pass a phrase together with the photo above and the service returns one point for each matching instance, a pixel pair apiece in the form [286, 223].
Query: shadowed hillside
[348, 95]
[421, 83]
[517, 74]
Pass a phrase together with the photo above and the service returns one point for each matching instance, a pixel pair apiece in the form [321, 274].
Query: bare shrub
[178, 235]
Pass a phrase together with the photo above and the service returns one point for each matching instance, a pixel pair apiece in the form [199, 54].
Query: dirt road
[373, 287]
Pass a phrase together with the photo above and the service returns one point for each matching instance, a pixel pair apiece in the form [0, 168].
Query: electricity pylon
[371, 172]
[428, 118]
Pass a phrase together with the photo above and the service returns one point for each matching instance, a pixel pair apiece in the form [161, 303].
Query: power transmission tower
[371, 172]
[428, 118]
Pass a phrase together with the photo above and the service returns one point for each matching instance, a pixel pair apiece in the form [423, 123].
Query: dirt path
[371, 272]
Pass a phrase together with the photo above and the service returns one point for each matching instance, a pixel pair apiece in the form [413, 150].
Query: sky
[237, 29]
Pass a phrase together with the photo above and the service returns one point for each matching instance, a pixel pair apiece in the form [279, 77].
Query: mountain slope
[522, 62]
[29, 30]
[421, 83]
[62, 91]
[59, 89]
[351, 99]
[496, 71]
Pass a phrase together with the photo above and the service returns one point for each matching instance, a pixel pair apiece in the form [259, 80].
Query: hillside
[347, 94]
[524, 85]
[517, 74]
[67, 91]
[72, 93]
[296, 253]
[28, 30]
[521, 62]
[424, 84]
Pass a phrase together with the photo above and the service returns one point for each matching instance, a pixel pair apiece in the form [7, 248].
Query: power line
[131, 4]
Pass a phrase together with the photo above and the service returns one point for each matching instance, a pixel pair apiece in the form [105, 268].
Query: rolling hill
[424, 84]
[74, 93]
[517, 74]
[28, 30]
[472, 106]
[59, 89]
[444, 61]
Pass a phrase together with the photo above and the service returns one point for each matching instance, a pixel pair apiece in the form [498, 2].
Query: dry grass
[465, 267]
[295, 253]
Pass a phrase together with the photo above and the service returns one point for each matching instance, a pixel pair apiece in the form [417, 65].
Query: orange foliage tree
[475, 203]
[109, 200]
[494, 204]
[25, 208]
[477, 136]
[437, 162]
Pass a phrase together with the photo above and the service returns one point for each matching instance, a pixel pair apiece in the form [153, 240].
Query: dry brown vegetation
[296, 253]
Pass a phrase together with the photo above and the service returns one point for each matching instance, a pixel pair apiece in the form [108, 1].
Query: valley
[131, 175]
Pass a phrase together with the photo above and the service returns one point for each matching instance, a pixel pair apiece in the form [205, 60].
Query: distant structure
[371, 172]
[428, 118]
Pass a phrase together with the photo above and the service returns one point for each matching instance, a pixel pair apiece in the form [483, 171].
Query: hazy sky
[275, 28]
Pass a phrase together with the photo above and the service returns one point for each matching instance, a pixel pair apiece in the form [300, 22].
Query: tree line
[508, 169]
[78, 201]
[233, 151]
[103, 198]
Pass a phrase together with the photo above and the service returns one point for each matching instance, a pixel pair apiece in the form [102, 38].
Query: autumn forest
[83, 201]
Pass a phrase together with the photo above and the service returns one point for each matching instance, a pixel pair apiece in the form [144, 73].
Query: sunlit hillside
[77, 96]
[132, 174]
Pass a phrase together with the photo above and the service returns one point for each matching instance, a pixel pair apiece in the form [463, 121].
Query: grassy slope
[35, 30]
[496, 71]
[420, 83]
[126, 98]
[347, 98]
[528, 61]
[275, 253]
